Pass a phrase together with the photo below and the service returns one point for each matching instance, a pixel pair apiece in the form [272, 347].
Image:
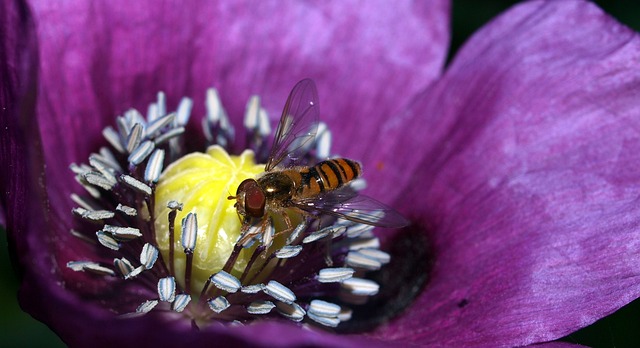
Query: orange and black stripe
[328, 175]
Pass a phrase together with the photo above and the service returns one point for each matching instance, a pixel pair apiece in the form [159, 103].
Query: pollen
[202, 182]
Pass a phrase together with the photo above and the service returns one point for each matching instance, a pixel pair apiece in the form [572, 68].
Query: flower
[516, 164]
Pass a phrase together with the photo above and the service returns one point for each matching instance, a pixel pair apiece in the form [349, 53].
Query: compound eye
[254, 198]
[243, 185]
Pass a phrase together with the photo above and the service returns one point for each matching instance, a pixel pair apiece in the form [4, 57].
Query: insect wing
[350, 205]
[297, 127]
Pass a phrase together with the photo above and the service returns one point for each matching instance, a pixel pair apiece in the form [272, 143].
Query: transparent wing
[297, 127]
[348, 204]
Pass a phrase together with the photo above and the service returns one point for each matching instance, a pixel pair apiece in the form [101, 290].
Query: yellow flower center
[202, 182]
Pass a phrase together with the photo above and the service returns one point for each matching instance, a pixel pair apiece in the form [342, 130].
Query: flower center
[221, 263]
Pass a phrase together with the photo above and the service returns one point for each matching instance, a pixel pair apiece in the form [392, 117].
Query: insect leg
[288, 222]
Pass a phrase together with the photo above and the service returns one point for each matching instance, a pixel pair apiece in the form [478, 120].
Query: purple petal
[529, 186]
[22, 179]
[19, 146]
[3, 218]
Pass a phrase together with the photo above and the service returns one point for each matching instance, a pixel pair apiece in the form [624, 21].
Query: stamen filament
[259, 250]
[172, 219]
[187, 271]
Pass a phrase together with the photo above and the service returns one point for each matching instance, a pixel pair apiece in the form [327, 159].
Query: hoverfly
[314, 190]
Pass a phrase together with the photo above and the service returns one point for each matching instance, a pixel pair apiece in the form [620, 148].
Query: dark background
[621, 329]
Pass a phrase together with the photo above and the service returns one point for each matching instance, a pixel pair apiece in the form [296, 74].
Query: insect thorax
[277, 186]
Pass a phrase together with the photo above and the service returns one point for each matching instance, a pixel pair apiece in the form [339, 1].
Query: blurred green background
[621, 329]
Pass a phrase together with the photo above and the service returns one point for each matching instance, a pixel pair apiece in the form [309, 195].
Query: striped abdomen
[326, 176]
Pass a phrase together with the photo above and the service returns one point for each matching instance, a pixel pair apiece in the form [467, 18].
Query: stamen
[81, 179]
[326, 321]
[215, 111]
[257, 252]
[167, 289]
[134, 273]
[252, 289]
[256, 122]
[168, 135]
[113, 138]
[81, 169]
[181, 302]
[325, 313]
[297, 231]
[251, 115]
[345, 314]
[154, 167]
[183, 112]
[260, 307]
[148, 256]
[103, 168]
[377, 255]
[162, 107]
[146, 306]
[225, 281]
[124, 266]
[253, 230]
[359, 260]
[189, 233]
[131, 117]
[107, 241]
[82, 236]
[358, 185]
[97, 179]
[153, 112]
[323, 140]
[141, 152]
[135, 136]
[364, 243]
[334, 275]
[107, 157]
[362, 287]
[81, 202]
[279, 292]
[263, 121]
[289, 251]
[173, 205]
[216, 126]
[157, 125]
[359, 230]
[91, 267]
[323, 308]
[291, 310]
[136, 184]
[318, 235]
[127, 210]
[268, 233]
[124, 125]
[219, 304]
[94, 215]
[122, 233]
[338, 232]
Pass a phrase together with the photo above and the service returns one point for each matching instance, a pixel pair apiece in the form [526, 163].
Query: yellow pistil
[202, 182]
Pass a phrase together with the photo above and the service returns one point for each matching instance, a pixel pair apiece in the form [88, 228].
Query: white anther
[189, 232]
[279, 292]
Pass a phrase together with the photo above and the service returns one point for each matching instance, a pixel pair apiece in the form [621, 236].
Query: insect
[288, 184]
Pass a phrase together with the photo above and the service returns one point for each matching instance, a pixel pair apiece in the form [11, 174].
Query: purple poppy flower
[515, 165]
